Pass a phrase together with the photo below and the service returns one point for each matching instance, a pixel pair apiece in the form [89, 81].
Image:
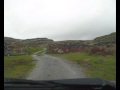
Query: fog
[59, 19]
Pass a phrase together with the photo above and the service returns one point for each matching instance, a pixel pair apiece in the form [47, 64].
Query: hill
[106, 38]
[19, 47]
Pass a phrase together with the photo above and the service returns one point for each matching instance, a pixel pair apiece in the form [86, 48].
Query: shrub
[98, 50]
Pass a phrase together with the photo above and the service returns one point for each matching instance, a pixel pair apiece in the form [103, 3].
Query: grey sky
[59, 19]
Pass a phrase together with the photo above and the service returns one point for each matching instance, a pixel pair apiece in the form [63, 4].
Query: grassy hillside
[9, 40]
[23, 47]
[106, 38]
[36, 41]
[17, 66]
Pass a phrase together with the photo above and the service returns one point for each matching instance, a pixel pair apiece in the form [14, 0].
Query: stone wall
[65, 47]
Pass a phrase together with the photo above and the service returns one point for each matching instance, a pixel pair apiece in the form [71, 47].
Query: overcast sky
[59, 19]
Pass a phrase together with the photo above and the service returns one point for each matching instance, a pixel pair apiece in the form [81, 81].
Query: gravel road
[52, 68]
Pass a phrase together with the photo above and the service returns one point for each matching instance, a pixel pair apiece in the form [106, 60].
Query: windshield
[60, 39]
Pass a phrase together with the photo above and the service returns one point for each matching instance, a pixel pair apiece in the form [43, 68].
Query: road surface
[52, 68]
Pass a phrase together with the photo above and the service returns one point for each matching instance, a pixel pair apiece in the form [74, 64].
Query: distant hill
[37, 41]
[106, 38]
[16, 46]
[10, 40]
[34, 41]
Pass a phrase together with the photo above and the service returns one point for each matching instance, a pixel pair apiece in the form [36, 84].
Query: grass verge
[17, 66]
[103, 67]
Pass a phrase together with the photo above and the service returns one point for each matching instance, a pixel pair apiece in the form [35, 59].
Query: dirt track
[51, 68]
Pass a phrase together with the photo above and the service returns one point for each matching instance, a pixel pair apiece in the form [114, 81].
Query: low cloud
[59, 19]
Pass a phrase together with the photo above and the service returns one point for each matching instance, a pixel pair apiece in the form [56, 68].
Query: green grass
[34, 49]
[40, 53]
[22, 65]
[105, 70]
